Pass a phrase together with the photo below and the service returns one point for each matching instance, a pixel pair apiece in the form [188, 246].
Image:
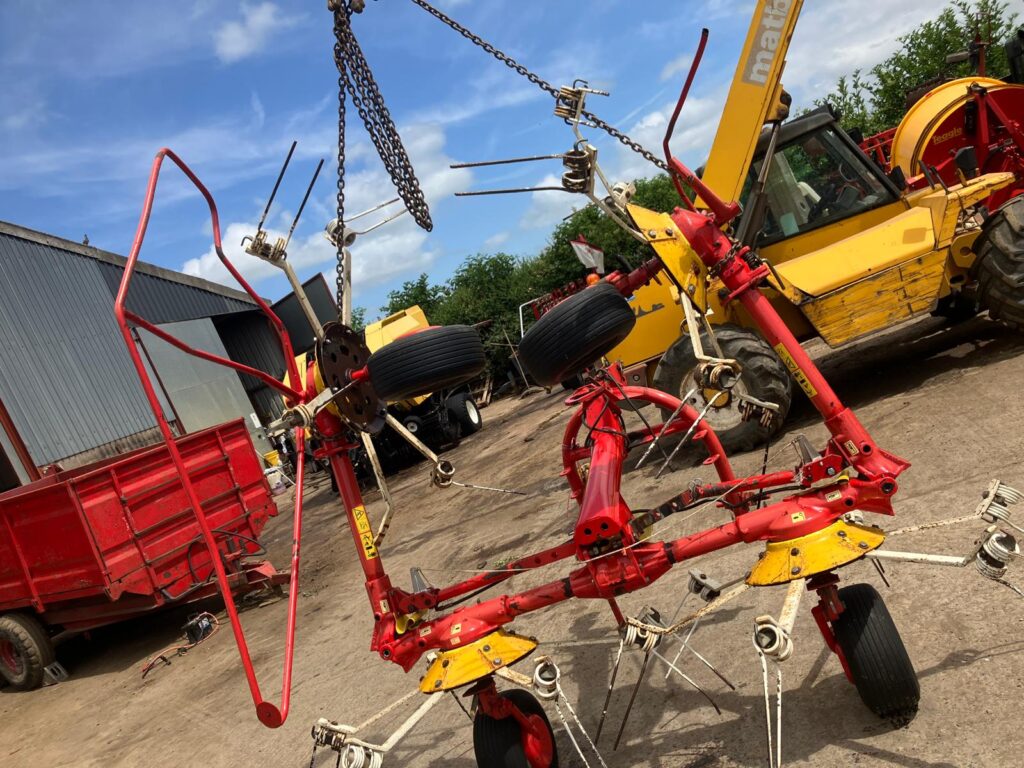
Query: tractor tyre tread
[999, 266]
[764, 374]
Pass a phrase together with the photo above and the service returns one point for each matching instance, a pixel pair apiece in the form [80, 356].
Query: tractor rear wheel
[875, 655]
[26, 650]
[999, 266]
[763, 376]
[499, 743]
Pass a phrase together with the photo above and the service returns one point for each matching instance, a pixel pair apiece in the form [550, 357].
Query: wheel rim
[721, 417]
[473, 412]
[10, 658]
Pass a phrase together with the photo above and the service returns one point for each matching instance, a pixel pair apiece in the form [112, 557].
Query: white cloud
[237, 40]
[496, 240]
[853, 35]
[398, 248]
[675, 66]
[259, 114]
[547, 209]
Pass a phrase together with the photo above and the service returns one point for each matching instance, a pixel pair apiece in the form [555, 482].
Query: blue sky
[92, 90]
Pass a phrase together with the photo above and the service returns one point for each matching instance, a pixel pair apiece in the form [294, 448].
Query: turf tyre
[426, 362]
[497, 743]
[575, 333]
[874, 652]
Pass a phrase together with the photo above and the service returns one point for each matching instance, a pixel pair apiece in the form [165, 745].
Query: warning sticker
[795, 371]
[362, 524]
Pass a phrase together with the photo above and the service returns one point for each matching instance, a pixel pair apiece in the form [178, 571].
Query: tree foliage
[877, 100]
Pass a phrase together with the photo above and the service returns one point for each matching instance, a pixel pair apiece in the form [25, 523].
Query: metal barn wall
[249, 339]
[65, 375]
[202, 393]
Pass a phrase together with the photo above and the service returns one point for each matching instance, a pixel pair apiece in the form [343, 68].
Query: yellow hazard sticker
[362, 524]
[795, 371]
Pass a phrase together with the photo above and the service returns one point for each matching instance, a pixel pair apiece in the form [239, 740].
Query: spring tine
[273, 192]
[674, 668]
[689, 432]
[302, 206]
[510, 191]
[608, 696]
[668, 421]
[632, 698]
[484, 163]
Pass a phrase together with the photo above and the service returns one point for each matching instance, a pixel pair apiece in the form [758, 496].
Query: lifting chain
[356, 79]
[545, 86]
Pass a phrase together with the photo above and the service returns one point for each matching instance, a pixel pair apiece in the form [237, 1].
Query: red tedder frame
[268, 713]
[608, 538]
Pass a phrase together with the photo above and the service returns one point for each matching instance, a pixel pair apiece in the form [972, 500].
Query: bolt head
[651, 233]
[794, 551]
[496, 662]
[841, 534]
[437, 683]
[669, 231]
[863, 545]
[795, 570]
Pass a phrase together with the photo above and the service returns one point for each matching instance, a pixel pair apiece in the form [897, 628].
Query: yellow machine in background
[852, 251]
[439, 419]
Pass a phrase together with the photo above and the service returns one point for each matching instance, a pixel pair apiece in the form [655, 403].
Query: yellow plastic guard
[455, 668]
[818, 552]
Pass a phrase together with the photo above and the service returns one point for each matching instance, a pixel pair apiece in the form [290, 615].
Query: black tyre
[763, 376]
[25, 651]
[497, 743]
[575, 333]
[572, 383]
[465, 411]
[425, 362]
[999, 265]
[877, 659]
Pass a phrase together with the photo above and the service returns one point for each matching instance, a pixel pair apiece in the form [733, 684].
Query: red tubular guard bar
[268, 713]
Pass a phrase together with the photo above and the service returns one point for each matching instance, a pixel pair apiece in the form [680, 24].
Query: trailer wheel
[25, 651]
[465, 411]
[763, 376]
[499, 743]
[576, 332]
[425, 362]
[875, 654]
[999, 266]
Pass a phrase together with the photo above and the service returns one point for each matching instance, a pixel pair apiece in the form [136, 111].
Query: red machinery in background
[118, 538]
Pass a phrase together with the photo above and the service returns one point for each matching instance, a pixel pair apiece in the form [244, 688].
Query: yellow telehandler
[852, 250]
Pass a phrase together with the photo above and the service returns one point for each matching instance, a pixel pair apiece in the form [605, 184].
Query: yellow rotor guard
[457, 667]
[818, 552]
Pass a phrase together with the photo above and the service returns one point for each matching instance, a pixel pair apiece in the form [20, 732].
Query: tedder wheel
[498, 743]
[999, 266]
[464, 409]
[763, 376]
[426, 362]
[875, 654]
[575, 333]
[25, 651]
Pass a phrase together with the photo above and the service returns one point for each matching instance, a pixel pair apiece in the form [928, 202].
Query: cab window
[814, 180]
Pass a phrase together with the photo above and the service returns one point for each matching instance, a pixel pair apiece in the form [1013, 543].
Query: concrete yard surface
[948, 398]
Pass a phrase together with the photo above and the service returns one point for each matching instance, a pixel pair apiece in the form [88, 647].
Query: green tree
[878, 100]
[358, 319]
[419, 291]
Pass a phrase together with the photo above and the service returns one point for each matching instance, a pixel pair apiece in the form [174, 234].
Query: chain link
[545, 86]
[356, 80]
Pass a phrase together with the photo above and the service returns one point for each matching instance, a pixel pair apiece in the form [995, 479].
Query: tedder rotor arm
[268, 713]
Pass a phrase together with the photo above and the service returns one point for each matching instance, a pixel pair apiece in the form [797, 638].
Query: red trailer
[118, 538]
